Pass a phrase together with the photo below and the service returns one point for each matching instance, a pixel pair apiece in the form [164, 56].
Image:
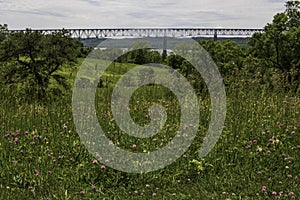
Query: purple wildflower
[36, 173]
[95, 162]
[292, 194]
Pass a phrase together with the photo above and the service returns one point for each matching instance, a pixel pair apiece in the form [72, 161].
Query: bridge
[152, 32]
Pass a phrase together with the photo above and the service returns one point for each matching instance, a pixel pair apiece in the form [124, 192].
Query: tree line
[31, 59]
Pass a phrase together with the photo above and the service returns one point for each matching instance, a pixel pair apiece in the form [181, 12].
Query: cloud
[36, 12]
[138, 13]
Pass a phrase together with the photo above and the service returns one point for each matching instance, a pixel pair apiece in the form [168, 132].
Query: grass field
[256, 157]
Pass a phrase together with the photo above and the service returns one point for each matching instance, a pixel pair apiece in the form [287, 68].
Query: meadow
[256, 157]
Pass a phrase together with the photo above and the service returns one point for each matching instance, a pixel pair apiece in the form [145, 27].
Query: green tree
[278, 46]
[3, 32]
[293, 13]
[31, 59]
[138, 53]
[227, 55]
[174, 61]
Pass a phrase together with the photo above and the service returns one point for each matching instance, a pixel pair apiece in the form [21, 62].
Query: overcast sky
[20, 14]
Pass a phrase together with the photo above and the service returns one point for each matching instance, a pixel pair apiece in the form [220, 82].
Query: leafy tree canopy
[30, 59]
[279, 44]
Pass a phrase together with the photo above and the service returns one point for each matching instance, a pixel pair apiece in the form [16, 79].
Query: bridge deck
[152, 32]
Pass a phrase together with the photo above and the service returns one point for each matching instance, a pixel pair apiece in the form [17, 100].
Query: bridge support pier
[215, 36]
[164, 53]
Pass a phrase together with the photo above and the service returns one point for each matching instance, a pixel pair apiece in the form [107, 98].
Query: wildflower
[248, 147]
[254, 141]
[264, 188]
[82, 192]
[154, 194]
[16, 140]
[94, 187]
[258, 149]
[49, 172]
[134, 146]
[290, 175]
[37, 137]
[103, 167]
[292, 194]
[36, 173]
[95, 162]
[7, 135]
[30, 187]
[298, 147]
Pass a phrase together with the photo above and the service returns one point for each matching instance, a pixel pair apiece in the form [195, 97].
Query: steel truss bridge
[152, 32]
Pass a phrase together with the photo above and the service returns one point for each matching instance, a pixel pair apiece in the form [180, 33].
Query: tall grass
[257, 156]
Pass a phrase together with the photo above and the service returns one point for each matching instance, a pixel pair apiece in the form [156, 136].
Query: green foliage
[256, 157]
[279, 44]
[140, 53]
[30, 60]
[174, 61]
[293, 13]
[3, 32]
[227, 55]
[42, 157]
